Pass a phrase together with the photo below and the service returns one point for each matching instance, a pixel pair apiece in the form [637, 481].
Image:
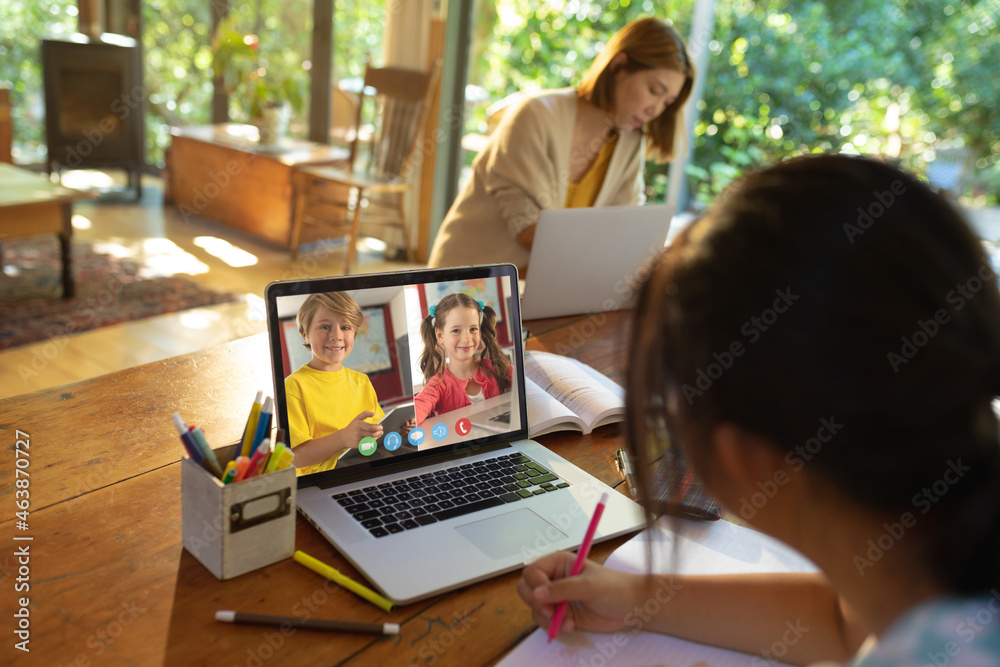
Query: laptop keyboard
[406, 504]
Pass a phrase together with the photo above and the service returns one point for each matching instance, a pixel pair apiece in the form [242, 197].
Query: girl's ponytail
[432, 359]
[488, 333]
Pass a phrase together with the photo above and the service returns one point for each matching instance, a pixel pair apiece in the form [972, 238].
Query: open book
[564, 394]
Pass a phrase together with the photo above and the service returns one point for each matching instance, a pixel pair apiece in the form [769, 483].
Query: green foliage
[22, 25]
[889, 77]
[177, 70]
[178, 67]
[257, 77]
[357, 32]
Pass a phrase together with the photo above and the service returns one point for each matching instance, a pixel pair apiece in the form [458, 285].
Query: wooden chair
[6, 126]
[946, 173]
[331, 200]
[475, 142]
[343, 117]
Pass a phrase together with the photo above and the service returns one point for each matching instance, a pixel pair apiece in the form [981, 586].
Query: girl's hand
[408, 426]
[600, 599]
[358, 428]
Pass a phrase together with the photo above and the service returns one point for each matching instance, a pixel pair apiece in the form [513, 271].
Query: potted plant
[267, 88]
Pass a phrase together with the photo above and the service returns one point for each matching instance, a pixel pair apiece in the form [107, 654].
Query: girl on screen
[462, 361]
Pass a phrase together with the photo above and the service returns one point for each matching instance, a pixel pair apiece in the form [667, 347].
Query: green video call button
[367, 446]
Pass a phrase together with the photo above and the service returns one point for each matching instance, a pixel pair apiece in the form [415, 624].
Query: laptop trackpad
[521, 531]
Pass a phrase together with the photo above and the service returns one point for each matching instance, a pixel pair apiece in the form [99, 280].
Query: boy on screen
[330, 408]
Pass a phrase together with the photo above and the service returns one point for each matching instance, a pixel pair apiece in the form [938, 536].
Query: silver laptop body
[459, 546]
[592, 260]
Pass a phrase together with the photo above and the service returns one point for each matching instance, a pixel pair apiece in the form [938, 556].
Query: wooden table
[110, 582]
[221, 173]
[30, 205]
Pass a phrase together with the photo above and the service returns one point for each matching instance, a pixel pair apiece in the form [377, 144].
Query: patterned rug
[109, 290]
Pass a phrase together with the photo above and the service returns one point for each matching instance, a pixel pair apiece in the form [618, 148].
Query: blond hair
[339, 303]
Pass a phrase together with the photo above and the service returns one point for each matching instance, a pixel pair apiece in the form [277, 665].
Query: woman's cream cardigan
[523, 169]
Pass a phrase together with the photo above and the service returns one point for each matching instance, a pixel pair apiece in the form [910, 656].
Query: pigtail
[432, 359]
[488, 334]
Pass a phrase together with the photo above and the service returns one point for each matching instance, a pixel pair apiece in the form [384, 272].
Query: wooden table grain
[110, 583]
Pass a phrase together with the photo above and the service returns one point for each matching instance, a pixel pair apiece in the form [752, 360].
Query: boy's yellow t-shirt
[584, 192]
[322, 402]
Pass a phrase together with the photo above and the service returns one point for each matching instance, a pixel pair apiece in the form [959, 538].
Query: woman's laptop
[592, 260]
[460, 503]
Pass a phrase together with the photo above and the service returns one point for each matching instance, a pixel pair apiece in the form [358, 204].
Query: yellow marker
[272, 462]
[325, 570]
[230, 473]
[251, 427]
[287, 456]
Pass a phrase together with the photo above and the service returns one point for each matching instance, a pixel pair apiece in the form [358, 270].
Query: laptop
[459, 503]
[592, 260]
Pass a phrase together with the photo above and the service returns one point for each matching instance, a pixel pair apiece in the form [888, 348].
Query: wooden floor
[162, 240]
[212, 254]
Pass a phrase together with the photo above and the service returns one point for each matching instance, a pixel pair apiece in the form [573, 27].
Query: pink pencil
[577, 568]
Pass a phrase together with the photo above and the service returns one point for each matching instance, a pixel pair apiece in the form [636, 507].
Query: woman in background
[573, 147]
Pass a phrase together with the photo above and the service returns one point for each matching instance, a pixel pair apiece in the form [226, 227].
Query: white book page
[545, 412]
[710, 547]
[583, 390]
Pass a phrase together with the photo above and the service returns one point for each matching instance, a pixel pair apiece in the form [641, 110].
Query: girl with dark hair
[462, 361]
[574, 147]
[830, 329]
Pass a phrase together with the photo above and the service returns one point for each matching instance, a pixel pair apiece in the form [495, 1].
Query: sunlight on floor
[199, 318]
[159, 257]
[86, 179]
[372, 244]
[81, 222]
[256, 310]
[226, 251]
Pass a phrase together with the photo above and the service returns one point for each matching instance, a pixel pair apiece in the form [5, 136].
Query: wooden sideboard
[221, 173]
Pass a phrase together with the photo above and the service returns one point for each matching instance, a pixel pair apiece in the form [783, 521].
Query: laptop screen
[381, 369]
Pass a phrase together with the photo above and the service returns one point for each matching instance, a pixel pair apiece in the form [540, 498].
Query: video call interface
[462, 392]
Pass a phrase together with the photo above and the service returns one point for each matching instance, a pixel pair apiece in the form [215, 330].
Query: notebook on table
[592, 260]
[465, 495]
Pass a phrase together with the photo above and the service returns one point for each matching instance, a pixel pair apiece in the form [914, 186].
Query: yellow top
[583, 193]
[323, 402]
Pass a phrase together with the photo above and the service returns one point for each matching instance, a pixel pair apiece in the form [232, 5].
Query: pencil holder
[238, 527]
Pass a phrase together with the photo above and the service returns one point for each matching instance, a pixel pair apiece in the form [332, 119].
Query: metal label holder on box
[238, 527]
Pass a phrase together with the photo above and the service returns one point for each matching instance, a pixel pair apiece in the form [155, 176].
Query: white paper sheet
[715, 547]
